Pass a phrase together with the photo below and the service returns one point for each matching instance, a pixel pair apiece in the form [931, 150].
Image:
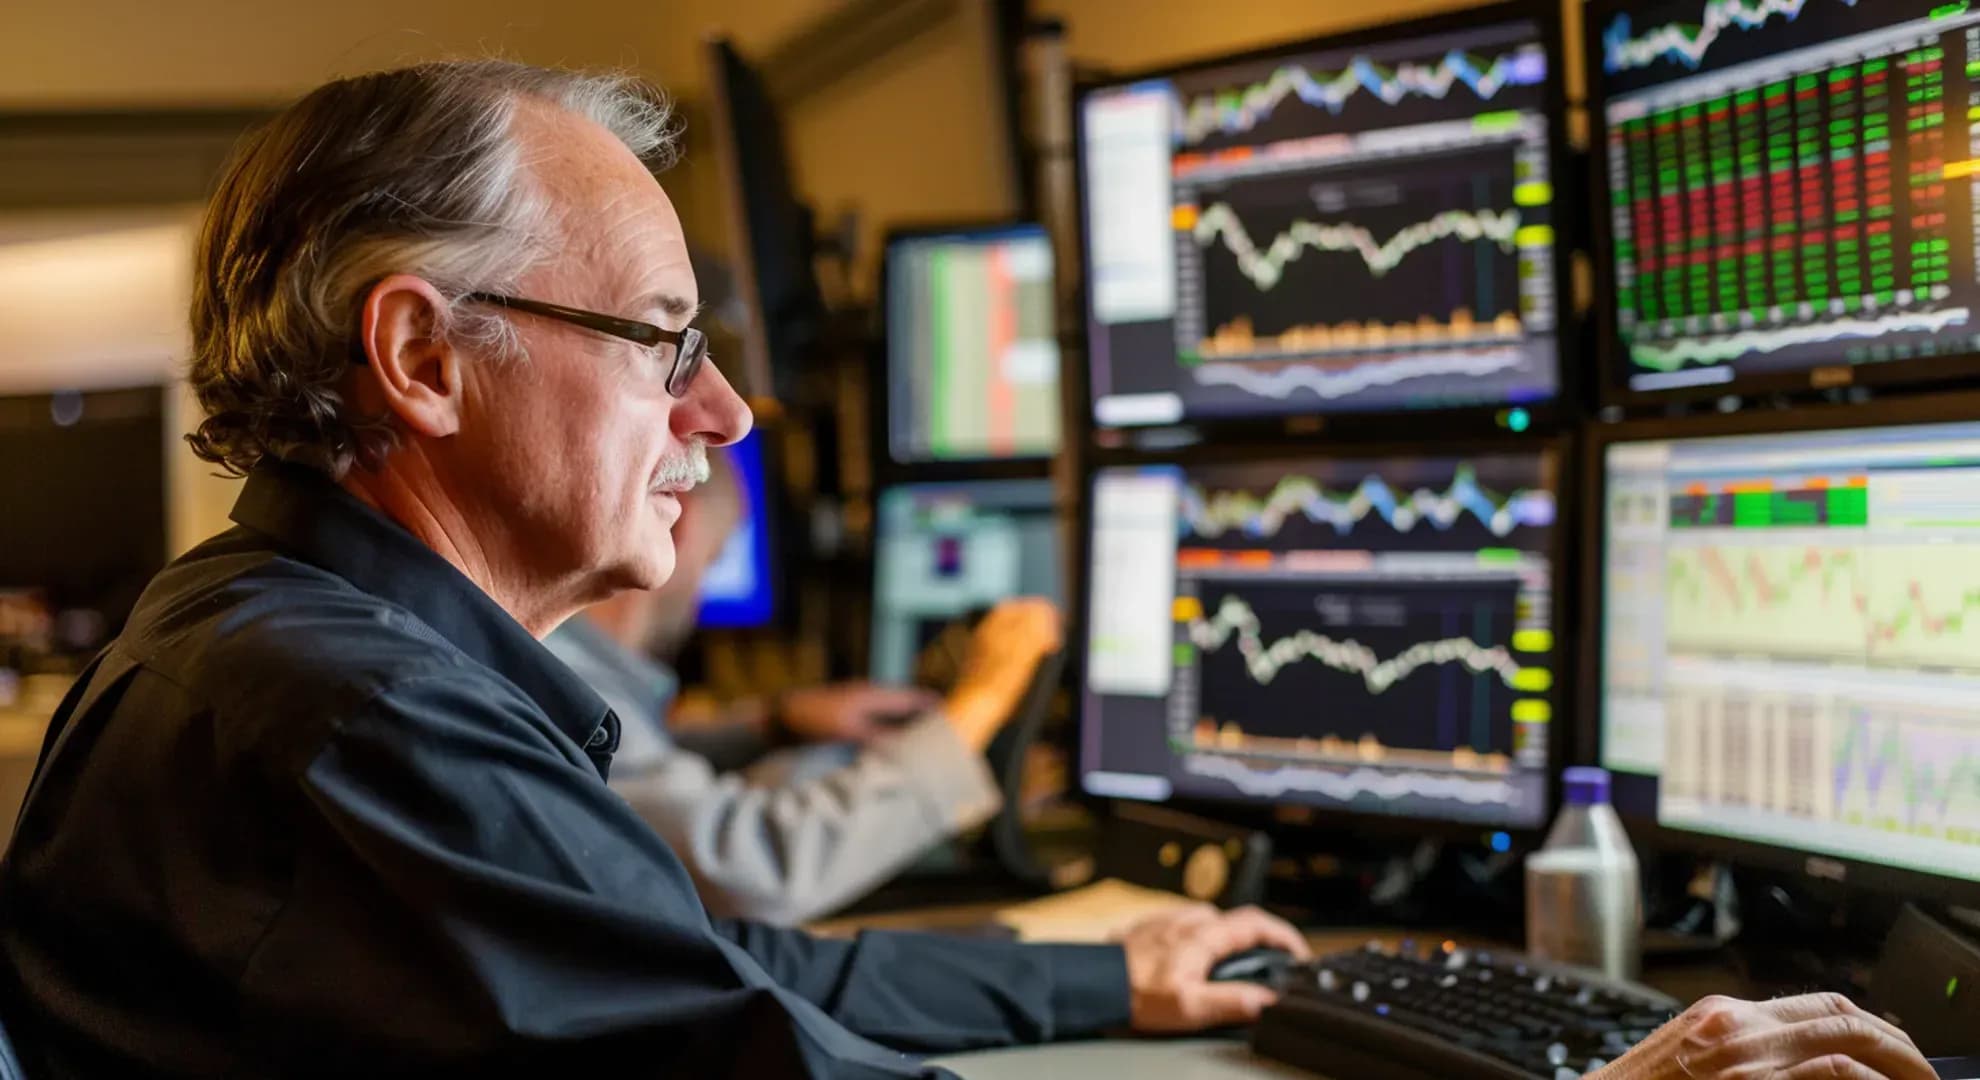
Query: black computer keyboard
[1452, 1014]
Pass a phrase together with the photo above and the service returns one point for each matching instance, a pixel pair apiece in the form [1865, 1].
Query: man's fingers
[1263, 928]
[1227, 1004]
[1833, 1067]
[1032, 618]
[1846, 1035]
[1805, 1007]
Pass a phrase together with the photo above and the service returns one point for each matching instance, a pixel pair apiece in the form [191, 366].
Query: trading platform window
[1368, 635]
[1348, 229]
[1792, 638]
[1791, 185]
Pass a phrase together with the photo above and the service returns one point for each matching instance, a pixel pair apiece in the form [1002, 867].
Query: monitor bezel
[1483, 420]
[1611, 379]
[892, 469]
[1297, 818]
[1817, 866]
[717, 54]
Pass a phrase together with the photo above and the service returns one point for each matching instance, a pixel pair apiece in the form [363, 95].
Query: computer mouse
[1264, 965]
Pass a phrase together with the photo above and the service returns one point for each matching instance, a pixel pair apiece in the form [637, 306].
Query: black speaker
[1181, 853]
[1928, 983]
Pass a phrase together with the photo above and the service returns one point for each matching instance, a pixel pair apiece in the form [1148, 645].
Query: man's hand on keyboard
[1817, 1037]
[1169, 957]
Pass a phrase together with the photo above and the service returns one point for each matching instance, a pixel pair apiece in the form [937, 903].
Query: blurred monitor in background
[82, 518]
[972, 346]
[739, 589]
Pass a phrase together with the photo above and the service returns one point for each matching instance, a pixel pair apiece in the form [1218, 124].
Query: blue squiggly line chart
[1233, 112]
[1213, 514]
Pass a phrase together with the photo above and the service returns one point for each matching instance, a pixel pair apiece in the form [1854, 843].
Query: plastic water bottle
[1583, 904]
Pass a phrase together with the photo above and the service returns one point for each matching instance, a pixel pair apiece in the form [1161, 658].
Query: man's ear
[410, 369]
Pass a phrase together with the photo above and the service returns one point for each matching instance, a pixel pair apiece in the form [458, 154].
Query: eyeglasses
[680, 352]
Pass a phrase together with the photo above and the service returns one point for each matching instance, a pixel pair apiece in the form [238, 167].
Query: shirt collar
[324, 525]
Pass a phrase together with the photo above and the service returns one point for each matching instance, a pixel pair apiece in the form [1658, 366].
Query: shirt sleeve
[935, 994]
[792, 852]
[517, 917]
[727, 745]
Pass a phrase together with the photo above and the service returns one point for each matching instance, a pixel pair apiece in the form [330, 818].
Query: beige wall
[113, 53]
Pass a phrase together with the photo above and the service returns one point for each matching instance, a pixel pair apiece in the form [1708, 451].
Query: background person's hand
[1003, 653]
[1169, 957]
[1815, 1037]
[848, 712]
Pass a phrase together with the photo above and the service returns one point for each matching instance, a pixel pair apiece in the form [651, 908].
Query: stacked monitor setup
[1776, 628]
[1361, 225]
[1785, 605]
[965, 514]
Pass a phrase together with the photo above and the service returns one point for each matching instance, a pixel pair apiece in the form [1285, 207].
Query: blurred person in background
[791, 847]
[327, 807]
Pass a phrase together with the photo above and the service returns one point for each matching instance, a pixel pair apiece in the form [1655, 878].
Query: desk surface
[1127, 1059]
[974, 917]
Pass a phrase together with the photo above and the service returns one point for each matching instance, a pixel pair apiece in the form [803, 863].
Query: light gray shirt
[784, 852]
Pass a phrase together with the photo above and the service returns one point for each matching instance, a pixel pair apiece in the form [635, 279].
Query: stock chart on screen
[1791, 634]
[1371, 635]
[1791, 187]
[972, 348]
[1345, 229]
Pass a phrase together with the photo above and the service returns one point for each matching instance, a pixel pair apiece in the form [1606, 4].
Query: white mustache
[683, 470]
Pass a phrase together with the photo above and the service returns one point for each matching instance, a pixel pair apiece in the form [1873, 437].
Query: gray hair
[412, 171]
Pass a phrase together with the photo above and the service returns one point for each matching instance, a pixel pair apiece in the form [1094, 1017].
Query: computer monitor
[1361, 223]
[770, 231]
[945, 552]
[82, 507]
[1789, 193]
[1789, 615]
[1373, 635]
[972, 345]
[739, 589]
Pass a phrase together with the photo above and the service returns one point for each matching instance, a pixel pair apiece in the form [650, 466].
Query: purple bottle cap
[1585, 785]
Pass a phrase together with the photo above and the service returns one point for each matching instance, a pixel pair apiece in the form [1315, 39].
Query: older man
[327, 807]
